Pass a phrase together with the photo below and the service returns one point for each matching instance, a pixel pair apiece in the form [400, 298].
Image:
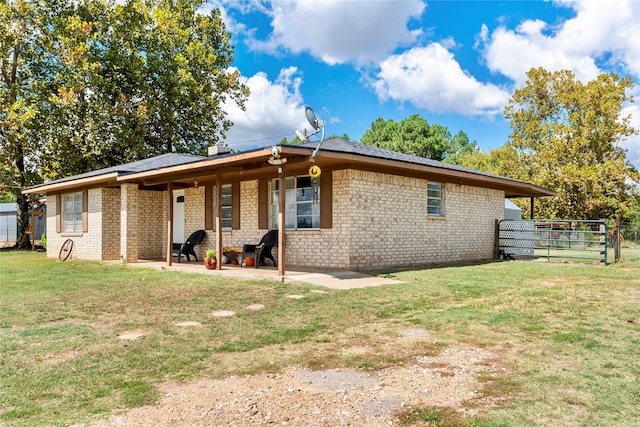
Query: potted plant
[210, 259]
[233, 256]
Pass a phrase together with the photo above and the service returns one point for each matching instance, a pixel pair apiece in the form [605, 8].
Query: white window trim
[274, 204]
[76, 223]
[441, 214]
[227, 207]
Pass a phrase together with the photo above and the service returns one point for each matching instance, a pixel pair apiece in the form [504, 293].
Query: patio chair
[186, 249]
[262, 250]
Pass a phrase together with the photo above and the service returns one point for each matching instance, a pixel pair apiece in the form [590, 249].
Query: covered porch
[246, 184]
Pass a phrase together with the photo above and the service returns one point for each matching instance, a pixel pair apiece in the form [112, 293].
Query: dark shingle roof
[341, 146]
[152, 163]
[336, 145]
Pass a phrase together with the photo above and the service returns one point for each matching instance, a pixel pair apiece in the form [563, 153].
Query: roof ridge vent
[216, 150]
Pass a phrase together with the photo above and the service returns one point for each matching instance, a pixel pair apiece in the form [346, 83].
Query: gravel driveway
[299, 397]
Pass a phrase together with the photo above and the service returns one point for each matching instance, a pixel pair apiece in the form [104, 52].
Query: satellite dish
[311, 118]
[317, 126]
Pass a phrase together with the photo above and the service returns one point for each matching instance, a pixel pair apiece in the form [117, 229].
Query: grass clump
[434, 416]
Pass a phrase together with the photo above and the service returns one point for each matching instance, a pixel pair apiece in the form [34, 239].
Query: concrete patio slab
[334, 279]
[342, 279]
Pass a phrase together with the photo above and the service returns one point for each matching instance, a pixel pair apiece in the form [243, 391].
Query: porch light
[195, 183]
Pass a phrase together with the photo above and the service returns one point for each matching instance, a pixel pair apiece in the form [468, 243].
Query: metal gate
[553, 240]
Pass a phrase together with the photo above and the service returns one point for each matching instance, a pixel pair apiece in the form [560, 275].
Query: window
[435, 201]
[72, 212]
[302, 203]
[226, 207]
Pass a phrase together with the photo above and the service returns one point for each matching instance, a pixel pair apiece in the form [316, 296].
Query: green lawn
[568, 335]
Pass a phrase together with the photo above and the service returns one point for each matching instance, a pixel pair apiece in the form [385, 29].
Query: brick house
[368, 208]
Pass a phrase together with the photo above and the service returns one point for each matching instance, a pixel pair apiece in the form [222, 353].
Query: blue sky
[455, 63]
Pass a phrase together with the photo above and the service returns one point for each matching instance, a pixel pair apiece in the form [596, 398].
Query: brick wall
[110, 223]
[392, 228]
[380, 220]
[249, 233]
[86, 245]
[152, 224]
[194, 218]
[327, 247]
[129, 237]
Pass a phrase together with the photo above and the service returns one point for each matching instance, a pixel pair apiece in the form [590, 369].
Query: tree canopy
[94, 83]
[298, 141]
[566, 137]
[414, 135]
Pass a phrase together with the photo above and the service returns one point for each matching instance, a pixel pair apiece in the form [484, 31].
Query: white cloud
[600, 31]
[337, 31]
[514, 53]
[273, 110]
[230, 23]
[604, 28]
[430, 78]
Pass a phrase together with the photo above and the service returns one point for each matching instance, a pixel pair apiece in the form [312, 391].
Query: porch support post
[531, 216]
[218, 222]
[169, 223]
[282, 207]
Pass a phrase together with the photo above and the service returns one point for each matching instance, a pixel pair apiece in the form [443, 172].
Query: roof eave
[512, 188]
[99, 180]
[209, 164]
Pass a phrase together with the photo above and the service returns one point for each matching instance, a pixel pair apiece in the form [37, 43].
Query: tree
[138, 79]
[294, 141]
[23, 52]
[565, 136]
[94, 83]
[414, 135]
[298, 141]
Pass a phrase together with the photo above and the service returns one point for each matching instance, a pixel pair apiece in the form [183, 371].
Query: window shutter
[208, 207]
[85, 211]
[235, 206]
[58, 213]
[326, 200]
[263, 204]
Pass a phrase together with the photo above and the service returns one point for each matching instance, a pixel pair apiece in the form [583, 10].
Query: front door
[178, 216]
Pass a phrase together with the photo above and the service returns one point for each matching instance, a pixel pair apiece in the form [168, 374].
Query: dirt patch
[189, 324]
[132, 335]
[63, 357]
[223, 313]
[560, 281]
[414, 333]
[332, 397]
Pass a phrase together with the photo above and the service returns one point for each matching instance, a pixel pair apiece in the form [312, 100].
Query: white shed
[9, 224]
[511, 210]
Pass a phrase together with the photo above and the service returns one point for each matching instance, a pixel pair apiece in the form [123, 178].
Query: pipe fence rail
[553, 240]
